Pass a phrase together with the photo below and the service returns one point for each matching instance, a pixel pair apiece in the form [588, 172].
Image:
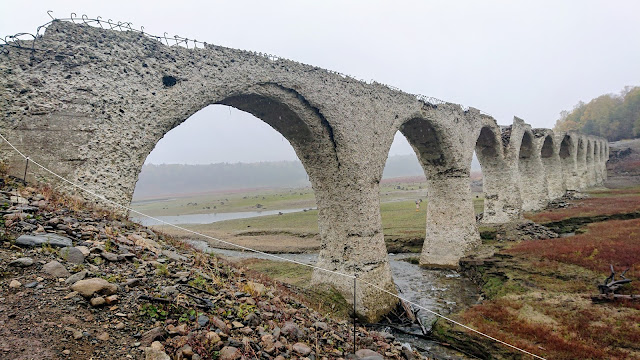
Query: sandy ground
[280, 243]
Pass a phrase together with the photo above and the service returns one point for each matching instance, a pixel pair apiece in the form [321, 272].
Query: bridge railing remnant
[18, 41]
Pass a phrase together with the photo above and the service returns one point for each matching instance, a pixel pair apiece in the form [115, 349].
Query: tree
[612, 116]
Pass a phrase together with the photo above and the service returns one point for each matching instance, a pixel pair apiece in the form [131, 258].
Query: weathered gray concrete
[95, 102]
[533, 182]
[498, 152]
[552, 164]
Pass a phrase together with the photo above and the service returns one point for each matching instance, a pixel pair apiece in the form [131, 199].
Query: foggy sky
[528, 59]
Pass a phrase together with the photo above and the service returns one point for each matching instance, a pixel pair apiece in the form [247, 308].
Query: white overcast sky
[529, 59]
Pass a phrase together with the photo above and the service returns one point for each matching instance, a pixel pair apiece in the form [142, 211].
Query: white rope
[263, 253]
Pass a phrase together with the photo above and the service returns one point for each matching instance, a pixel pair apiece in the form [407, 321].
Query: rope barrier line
[263, 253]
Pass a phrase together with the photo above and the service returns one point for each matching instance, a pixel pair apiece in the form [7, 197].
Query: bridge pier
[350, 228]
[499, 178]
[451, 226]
[533, 183]
[552, 165]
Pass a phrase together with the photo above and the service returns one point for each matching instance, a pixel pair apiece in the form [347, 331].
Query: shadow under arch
[450, 224]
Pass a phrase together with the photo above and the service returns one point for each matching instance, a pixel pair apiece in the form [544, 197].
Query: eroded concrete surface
[93, 104]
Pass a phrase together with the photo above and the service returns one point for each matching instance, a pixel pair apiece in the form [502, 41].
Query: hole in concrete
[168, 81]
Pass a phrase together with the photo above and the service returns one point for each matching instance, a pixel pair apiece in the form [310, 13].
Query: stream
[205, 218]
[441, 291]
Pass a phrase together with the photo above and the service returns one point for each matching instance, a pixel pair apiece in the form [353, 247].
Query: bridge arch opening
[547, 147]
[210, 168]
[568, 160]
[403, 198]
[490, 156]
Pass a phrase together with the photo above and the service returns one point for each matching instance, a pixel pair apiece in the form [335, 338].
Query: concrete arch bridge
[92, 103]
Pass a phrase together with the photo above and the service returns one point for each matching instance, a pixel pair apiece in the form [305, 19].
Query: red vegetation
[500, 319]
[610, 242]
[628, 201]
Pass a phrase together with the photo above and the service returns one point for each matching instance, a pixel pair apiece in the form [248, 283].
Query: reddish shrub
[617, 203]
[610, 242]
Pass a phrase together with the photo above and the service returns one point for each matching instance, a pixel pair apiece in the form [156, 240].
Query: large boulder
[39, 240]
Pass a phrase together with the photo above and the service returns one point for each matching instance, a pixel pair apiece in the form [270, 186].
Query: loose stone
[76, 277]
[55, 269]
[72, 255]
[153, 354]
[368, 355]
[88, 287]
[229, 353]
[22, 262]
[203, 320]
[302, 349]
[98, 301]
[39, 240]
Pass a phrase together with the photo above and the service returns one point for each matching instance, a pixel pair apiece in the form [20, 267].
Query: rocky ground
[80, 283]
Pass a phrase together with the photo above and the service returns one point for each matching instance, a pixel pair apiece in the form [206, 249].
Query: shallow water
[440, 291]
[205, 218]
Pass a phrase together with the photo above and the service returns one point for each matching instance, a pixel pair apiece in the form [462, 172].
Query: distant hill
[173, 179]
[615, 117]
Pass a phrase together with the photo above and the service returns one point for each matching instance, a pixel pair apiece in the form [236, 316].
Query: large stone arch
[549, 154]
[533, 185]
[445, 154]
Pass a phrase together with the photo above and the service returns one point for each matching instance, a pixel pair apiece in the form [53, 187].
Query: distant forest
[612, 116]
[174, 179]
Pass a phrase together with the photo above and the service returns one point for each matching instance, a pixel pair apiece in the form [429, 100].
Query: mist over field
[174, 179]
